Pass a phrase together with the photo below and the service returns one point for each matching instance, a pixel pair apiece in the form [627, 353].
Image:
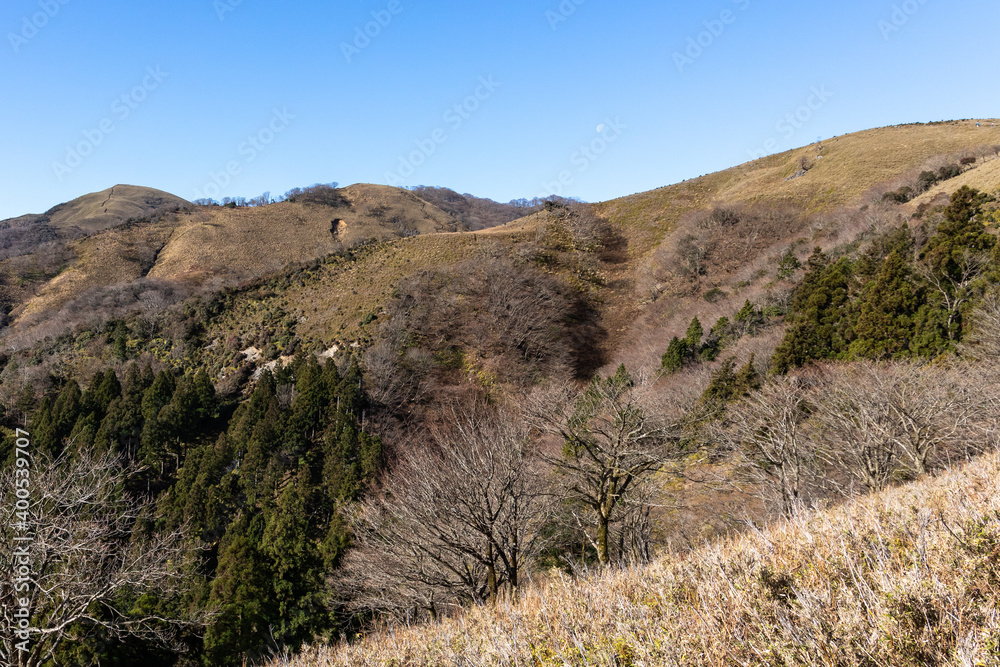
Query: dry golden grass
[222, 246]
[113, 257]
[907, 577]
[245, 243]
[216, 247]
[851, 166]
[985, 177]
[330, 302]
[101, 210]
[854, 170]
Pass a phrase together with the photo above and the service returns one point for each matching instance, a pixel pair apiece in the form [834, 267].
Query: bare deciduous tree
[955, 291]
[524, 315]
[983, 340]
[765, 432]
[396, 374]
[454, 523]
[84, 557]
[859, 424]
[935, 412]
[612, 441]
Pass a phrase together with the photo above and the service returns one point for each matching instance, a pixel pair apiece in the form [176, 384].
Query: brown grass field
[851, 165]
[101, 210]
[642, 304]
[907, 577]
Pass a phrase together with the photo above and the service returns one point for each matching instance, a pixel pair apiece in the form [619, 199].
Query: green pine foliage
[697, 347]
[885, 314]
[896, 300]
[673, 359]
[788, 265]
[262, 485]
[694, 335]
[819, 322]
[728, 383]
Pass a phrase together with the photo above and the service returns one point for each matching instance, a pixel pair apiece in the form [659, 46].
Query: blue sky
[235, 97]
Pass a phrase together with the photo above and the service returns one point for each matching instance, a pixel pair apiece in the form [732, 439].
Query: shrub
[673, 359]
[789, 264]
[926, 180]
[948, 172]
[900, 196]
[714, 295]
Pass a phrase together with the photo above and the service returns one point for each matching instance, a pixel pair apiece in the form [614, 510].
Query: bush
[900, 196]
[789, 265]
[714, 295]
[324, 194]
[673, 359]
[926, 180]
[948, 172]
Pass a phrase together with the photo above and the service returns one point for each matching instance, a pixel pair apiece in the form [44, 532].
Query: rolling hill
[166, 240]
[109, 208]
[268, 371]
[209, 248]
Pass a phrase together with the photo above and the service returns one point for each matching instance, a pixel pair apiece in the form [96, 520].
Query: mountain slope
[214, 247]
[421, 316]
[102, 210]
[851, 165]
[909, 576]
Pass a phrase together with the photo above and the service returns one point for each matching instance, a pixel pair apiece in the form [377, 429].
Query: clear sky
[235, 97]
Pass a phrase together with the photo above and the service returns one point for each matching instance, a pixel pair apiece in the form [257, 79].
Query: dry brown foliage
[456, 522]
[983, 341]
[905, 577]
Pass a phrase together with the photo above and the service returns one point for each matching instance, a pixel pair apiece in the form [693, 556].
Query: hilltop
[170, 241]
[99, 243]
[109, 208]
[71, 266]
[98, 211]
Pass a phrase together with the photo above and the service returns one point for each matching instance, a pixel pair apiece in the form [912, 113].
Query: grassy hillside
[837, 199]
[642, 300]
[215, 247]
[851, 165]
[245, 243]
[102, 210]
[208, 248]
[906, 577]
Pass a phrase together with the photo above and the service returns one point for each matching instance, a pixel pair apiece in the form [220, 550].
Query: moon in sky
[602, 127]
